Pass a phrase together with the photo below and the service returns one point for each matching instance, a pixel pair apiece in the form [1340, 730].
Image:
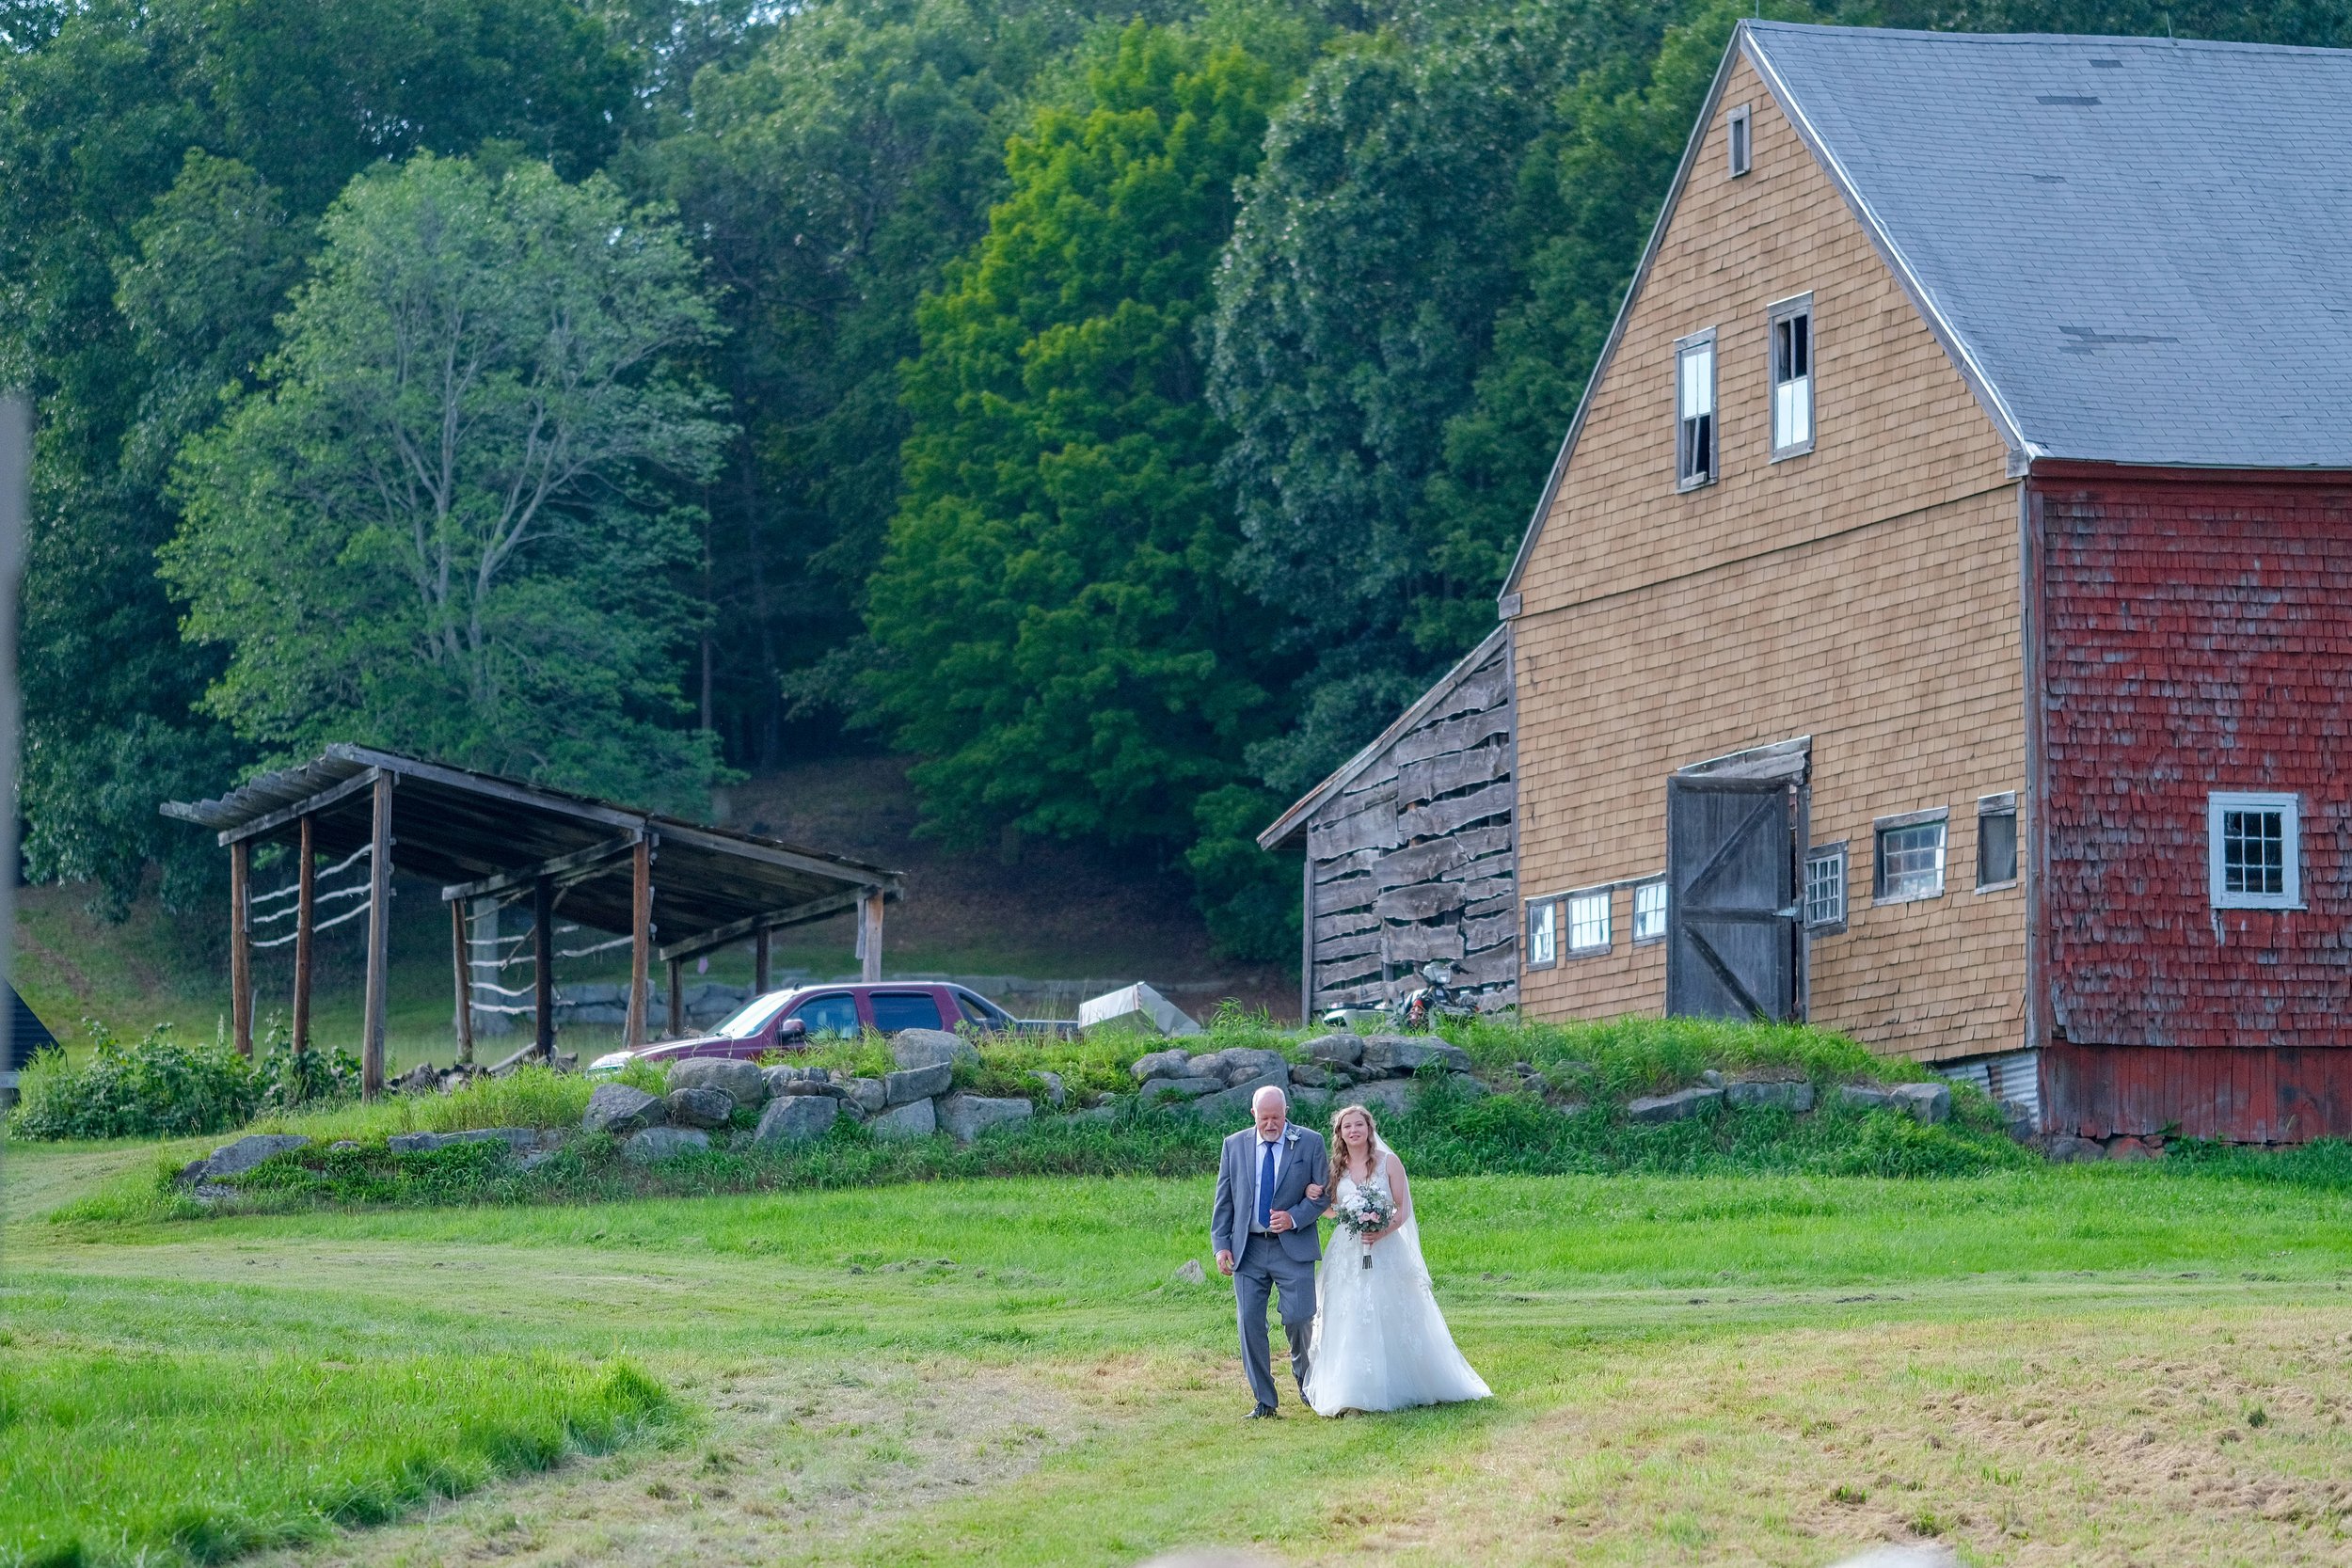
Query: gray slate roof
[2139, 250]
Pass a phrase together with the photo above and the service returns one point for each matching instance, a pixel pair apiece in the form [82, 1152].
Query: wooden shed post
[869, 917]
[1307, 945]
[457, 956]
[761, 962]
[543, 967]
[639, 940]
[677, 998]
[306, 913]
[380, 940]
[240, 948]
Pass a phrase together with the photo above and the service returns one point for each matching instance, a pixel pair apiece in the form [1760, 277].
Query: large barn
[1938, 623]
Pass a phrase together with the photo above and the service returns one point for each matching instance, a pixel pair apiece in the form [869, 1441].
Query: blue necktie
[1266, 1186]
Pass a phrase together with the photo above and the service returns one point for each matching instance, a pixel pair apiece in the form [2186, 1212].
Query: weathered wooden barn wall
[2197, 635]
[1413, 858]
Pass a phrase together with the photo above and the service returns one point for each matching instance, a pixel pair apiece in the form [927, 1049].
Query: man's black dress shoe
[1263, 1412]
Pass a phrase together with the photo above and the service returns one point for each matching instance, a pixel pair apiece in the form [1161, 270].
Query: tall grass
[528, 1097]
[111, 1455]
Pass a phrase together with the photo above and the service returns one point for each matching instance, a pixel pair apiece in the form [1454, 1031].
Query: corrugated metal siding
[2009, 1077]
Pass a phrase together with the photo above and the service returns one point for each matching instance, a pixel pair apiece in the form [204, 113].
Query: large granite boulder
[522, 1140]
[696, 1106]
[966, 1116]
[1161, 1091]
[1055, 1094]
[916, 1119]
[914, 1047]
[1160, 1064]
[1928, 1103]
[1773, 1094]
[246, 1152]
[655, 1144]
[745, 1082]
[1241, 1065]
[1336, 1050]
[797, 1118]
[918, 1083]
[1679, 1106]
[1865, 1097]
[868, 1095]
[618, 1109]
[1405, 1054]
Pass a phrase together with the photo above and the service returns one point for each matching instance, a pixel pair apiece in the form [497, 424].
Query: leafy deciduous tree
[447, 523]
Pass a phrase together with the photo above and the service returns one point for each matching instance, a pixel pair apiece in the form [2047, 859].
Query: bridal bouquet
[1365, 1213]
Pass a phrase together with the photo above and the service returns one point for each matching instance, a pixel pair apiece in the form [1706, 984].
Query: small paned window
[1649, 912]
[1997, 840]
[1793, 377]
[2254, 851]
[1910, 859]
[1588, 922]
[1543, 933]
[1694, 411]
[1739, 128]
[1825, 888]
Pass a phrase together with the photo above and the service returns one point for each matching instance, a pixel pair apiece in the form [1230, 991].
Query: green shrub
[527, 1096]
[150, 1088]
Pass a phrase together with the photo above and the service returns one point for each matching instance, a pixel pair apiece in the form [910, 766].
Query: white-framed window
[1740, 134]
[1588, 922]
[1543, 932]
[1649, 912]
[1910, 859]
[1996, 841]
[1793, 377]
[1694, 410]
[1825, 887]
[2254, 850]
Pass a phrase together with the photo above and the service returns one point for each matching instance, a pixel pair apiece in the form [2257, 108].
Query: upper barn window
[2253, 851]
[1793, 377]
[1694, 410]
[1910, 857]
[1738, 132]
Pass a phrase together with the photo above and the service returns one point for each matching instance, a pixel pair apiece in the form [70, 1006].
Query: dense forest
[1121, 407]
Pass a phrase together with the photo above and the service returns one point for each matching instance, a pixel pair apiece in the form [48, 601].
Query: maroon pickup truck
[789, 1019]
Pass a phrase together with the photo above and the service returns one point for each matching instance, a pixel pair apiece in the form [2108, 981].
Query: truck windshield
[750, 1019]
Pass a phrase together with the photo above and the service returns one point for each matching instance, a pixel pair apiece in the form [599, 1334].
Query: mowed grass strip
[148, 1455]
[1664, 1352]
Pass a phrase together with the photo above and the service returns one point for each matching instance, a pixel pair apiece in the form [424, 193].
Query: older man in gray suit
[1262, 1226]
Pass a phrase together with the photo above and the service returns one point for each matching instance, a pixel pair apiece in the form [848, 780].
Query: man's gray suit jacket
[1304, 1159]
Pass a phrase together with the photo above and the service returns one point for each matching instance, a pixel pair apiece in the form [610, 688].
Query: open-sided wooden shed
[676, 889]
[1411, 851]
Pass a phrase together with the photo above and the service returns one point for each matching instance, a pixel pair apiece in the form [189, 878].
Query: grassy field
[2104, 1365]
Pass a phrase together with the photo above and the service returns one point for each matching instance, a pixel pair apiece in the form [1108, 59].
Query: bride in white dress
[1379, 1341]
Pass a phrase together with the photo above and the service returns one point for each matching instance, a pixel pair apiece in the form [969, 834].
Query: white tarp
[1136, 1003]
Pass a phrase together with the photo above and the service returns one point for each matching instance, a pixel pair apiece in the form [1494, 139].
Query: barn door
[1734, 849]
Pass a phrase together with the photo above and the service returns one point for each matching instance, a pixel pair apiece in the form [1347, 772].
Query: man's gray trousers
[1263, 1267]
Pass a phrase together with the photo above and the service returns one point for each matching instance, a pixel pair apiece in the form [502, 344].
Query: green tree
[1060, 639]
[1354, 306]
[124, 315]
[447, 523]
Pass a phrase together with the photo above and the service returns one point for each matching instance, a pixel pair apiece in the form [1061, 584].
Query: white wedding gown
[1379, 1341]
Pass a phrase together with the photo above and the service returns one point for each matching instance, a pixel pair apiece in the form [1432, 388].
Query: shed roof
[1289, 829]
[2138, 244]
[462, 828]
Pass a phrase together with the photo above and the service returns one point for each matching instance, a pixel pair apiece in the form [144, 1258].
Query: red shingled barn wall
[2195, 634]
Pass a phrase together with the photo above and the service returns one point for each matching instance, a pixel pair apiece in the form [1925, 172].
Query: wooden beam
[869, 919]
[481, 783]
[762, 967]
[563, 868]
[460, 962]
[640, 942]
[677, 998]
[241, 947]
[775, 920]
[262, 827]
[816, 866]
[543, 967]
[306, 919]
[379, 940]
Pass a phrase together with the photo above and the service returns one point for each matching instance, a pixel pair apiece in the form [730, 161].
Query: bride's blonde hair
[1372, 1128]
